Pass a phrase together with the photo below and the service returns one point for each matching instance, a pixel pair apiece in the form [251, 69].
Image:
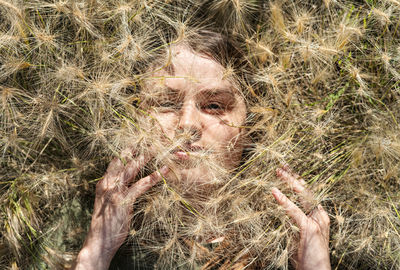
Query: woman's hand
[115, 195]
[313, 248]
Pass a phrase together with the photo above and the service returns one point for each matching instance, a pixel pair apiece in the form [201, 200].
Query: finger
[112, 175]
[146, 183]
[133, 167]
[127, 154]
[320, 216]
[115, 167]
[291, 209]
[119, 175]
[290, 179]
[297, 176]
[307, 197]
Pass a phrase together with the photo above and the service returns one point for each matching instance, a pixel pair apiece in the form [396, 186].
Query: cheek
[167, 122]
[227, 141]
[220, 133]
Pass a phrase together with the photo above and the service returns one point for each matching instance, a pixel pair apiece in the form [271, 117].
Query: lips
[184, 152]
[182, 155]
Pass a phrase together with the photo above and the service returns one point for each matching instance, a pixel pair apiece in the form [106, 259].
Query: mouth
[184, 152]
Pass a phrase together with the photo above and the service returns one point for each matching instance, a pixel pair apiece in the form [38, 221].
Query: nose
[189, 124]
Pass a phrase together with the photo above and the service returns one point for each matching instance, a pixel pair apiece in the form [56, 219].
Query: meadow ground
[323, 93]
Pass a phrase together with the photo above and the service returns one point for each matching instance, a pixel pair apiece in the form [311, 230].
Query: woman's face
[197, 104]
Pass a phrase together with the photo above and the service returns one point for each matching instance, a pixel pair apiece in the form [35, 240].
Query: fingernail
[285, 167]
[164, 170]
[276, 193]
[274, 190]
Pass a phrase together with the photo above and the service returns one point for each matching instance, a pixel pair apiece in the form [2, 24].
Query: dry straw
[323, 94]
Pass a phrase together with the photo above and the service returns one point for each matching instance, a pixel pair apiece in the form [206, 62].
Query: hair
[225, 49]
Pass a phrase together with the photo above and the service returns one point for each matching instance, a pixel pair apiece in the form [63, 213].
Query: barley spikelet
[320, 82]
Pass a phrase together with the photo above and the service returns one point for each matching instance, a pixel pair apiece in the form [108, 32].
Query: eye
[213, 107]
[167, 104]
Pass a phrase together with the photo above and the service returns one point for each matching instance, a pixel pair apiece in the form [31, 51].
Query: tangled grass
[324, 97]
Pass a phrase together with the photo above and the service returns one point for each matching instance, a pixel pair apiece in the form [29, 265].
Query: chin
[186, 178]
[199, 173]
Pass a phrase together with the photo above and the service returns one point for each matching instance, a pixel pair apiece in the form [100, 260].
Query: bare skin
[210, 108]
[113, 212]
[115, 195]
[195, 99]
[313, 246]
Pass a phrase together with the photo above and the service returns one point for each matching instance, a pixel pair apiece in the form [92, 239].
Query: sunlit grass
[322, 88]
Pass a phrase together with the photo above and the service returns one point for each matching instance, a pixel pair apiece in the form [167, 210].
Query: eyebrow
[208, 92]
[217, 91]
[170, 69]
[165, 91]
[171, 91]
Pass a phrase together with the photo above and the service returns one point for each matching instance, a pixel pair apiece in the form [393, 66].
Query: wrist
[320, 265]
[92, 257]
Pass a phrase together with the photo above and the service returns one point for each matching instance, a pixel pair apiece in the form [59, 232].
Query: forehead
[187, 70]
[184, 61]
